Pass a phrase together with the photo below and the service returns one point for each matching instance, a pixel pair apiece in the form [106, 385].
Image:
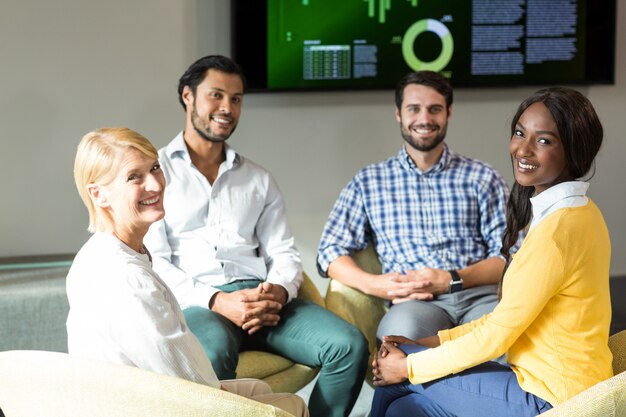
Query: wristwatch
[456, 283]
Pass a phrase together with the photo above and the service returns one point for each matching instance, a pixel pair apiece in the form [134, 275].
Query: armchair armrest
[605, 399]
[52, 384]
[617, 344]
[308, 291]
[359, 309]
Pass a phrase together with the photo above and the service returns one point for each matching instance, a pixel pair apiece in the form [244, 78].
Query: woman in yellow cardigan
[554, 314]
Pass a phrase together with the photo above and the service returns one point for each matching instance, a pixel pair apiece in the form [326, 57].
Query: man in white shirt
[225, 249]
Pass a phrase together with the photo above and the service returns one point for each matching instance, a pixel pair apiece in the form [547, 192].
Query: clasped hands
[422, 284]
[389, 365]
[253, 308]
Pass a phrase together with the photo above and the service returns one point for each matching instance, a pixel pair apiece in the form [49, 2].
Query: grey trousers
[417, 319]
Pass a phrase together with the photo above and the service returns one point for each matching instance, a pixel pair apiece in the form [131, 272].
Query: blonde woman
[120, 309]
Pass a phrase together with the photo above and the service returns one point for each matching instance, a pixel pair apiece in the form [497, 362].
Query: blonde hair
[98, 157]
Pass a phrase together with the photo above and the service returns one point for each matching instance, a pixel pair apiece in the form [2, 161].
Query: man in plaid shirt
[434, 218]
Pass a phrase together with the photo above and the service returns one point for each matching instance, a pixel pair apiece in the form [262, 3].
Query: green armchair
[53, 384]
[361, 310]
[280, 373]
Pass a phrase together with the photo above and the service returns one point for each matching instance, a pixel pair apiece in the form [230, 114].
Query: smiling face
[537, 150]
[423, 117]
[213, 111]
[134, 198]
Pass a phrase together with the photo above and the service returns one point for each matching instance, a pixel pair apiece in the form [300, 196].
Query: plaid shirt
[448, 217]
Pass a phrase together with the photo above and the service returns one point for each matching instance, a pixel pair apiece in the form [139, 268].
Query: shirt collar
[443, 163]
[178, 147]
[543, 201]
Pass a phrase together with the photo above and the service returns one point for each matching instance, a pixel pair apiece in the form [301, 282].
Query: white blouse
[122, 312]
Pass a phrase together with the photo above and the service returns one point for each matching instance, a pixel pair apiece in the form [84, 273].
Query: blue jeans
[489, 389]
[306, 333]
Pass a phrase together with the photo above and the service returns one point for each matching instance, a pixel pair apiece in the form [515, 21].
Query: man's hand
[422, 284]
[345, 270]
[385, 286]
[251, 309]
[255, 322]
[389, 365]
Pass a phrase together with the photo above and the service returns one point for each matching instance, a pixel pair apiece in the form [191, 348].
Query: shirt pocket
[239, 212]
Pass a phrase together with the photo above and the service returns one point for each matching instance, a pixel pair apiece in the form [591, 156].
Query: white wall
[70, 66]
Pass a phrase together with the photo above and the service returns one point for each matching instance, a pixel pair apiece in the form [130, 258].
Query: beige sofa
[34, 307]
[54, 384]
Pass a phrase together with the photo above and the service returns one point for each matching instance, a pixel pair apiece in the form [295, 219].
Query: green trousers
[307, 334]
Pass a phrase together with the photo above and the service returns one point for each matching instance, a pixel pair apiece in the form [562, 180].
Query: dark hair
[581, 135]
[196, 73]
[426, 78]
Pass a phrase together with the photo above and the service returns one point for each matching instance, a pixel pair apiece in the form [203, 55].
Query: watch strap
[456, 282]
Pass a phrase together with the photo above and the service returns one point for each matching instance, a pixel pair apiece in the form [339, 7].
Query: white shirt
[235, 229]
[121, 312]
[562, 195]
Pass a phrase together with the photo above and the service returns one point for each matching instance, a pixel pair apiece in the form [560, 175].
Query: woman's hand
[390, 364]
[429, 341]
[399, 340]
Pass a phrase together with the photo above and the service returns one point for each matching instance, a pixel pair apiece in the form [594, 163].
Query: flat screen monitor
[287, 45]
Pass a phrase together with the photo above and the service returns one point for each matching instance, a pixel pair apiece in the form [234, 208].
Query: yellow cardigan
[554, 316]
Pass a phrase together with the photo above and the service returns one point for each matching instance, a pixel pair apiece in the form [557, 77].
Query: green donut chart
[447, 45]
